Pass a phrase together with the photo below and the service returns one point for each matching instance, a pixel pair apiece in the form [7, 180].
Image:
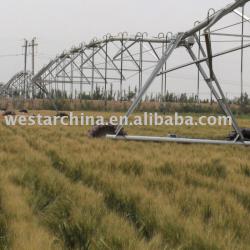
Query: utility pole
[25, 66]
[26, 45]
[33, 45]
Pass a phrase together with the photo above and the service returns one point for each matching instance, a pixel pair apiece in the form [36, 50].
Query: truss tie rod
[206, 58]
[231, 35]
[124, 49]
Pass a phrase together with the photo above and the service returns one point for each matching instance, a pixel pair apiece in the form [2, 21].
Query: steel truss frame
[185, 39]
[19, 85]
[113, 59]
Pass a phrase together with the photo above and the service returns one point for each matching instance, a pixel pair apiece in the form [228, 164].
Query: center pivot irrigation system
[107, 63]
[120, 59]
[188, 39]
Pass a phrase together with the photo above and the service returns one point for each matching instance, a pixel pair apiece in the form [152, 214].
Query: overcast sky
[60, 24]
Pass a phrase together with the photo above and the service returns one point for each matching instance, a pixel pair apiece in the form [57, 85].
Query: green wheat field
[60, 189]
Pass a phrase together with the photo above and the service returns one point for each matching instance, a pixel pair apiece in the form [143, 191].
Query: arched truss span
[112, 60]
[19, 85]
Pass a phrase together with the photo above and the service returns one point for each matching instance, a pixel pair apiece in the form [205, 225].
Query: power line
[11, 55]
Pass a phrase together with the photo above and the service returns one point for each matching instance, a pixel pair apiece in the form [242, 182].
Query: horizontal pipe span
[205, 59]
[177, 140]
[130, 39]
